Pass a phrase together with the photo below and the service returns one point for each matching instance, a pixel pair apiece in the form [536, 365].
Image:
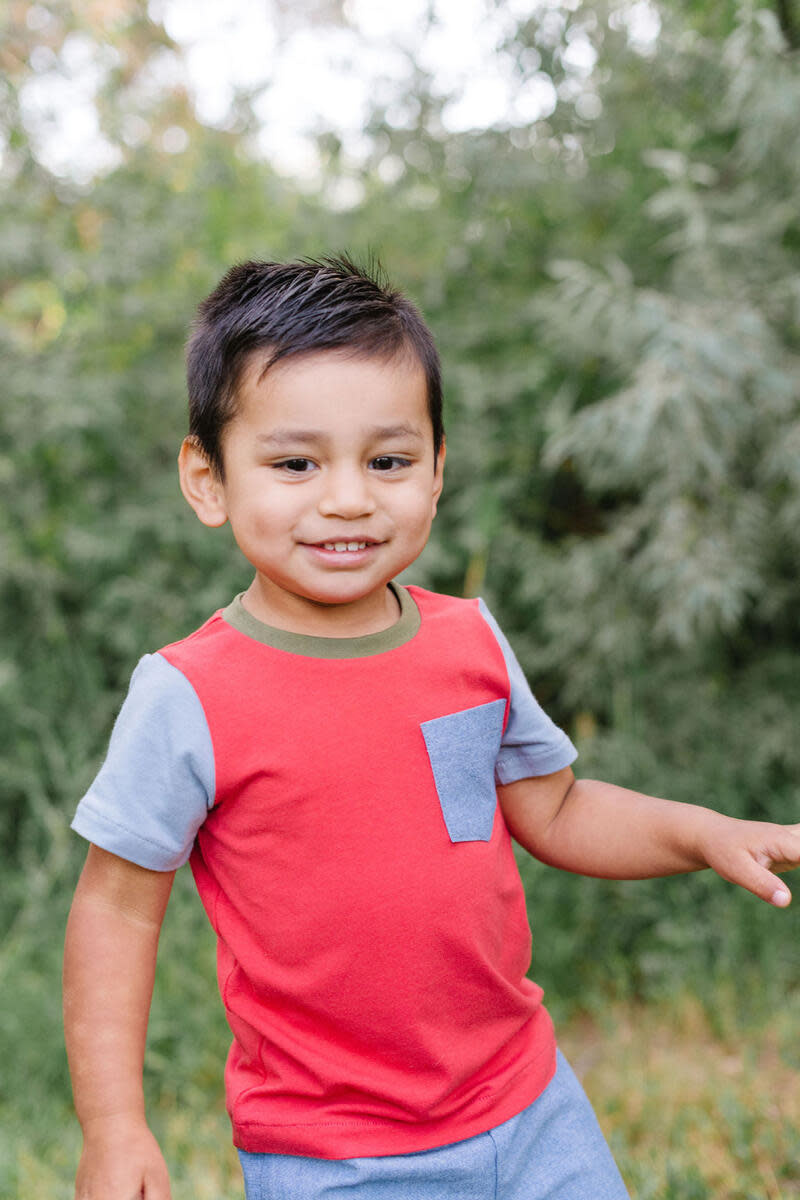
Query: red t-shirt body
[373, 970]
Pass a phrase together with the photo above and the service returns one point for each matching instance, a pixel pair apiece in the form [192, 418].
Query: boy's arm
[109, 967]
[596, 828]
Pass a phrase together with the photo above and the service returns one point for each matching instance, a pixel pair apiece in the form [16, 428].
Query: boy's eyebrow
[313, 437]
[403, 429]
[286, 437]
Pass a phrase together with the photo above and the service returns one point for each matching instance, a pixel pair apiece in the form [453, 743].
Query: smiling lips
[341, 547]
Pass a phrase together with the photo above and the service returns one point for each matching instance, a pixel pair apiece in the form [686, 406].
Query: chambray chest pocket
[462, 748]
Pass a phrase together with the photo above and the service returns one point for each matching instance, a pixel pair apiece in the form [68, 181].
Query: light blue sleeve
[532, 744]
[157, 783]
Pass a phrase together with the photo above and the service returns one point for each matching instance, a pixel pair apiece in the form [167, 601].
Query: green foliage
[692, 456]
[615, 289]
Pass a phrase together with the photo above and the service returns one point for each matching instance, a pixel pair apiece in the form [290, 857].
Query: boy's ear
[201, 485]
[438, 477]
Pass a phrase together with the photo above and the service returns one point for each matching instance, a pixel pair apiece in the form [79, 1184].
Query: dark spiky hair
[280, 310]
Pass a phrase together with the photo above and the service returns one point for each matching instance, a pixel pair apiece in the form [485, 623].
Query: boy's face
[330, 487]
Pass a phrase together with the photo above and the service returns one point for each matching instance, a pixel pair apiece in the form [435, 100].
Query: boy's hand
[750, 853]
[121, 1161]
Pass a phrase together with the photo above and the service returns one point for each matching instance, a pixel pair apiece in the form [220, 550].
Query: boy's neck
[298, 614]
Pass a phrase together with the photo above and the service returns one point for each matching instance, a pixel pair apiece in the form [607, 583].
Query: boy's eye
[389, 462]
[297, 466]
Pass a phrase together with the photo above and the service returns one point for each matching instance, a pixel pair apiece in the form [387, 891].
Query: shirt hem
[515, 762]
[109, 835]
[378, 1139]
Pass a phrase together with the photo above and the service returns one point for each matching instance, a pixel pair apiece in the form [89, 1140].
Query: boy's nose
[346, 494]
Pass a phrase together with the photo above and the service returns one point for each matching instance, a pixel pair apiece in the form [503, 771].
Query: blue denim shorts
[553, 1150]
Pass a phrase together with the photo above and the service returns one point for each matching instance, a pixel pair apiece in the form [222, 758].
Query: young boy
[344, 761]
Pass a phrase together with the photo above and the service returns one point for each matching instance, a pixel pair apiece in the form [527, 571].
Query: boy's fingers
[757, 879]
[770, 888]
[779, 851]
[155, 1190]
[782, 853]
[156, 1184]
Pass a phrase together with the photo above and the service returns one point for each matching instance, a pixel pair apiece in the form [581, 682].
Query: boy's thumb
[769, 887]
[781, 896]
[762, 883]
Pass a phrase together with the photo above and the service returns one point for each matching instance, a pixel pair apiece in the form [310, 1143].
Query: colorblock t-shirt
[336, 799]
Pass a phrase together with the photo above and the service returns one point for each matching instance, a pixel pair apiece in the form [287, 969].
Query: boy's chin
[342, 600]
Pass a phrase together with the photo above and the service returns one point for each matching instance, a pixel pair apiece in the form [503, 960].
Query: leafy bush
[616, 301]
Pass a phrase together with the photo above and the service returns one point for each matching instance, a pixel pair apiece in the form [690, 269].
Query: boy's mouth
[345, 545]
[351, 550]
[341, 546]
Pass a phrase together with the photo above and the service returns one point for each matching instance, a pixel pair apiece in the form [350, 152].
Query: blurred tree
[692, 451]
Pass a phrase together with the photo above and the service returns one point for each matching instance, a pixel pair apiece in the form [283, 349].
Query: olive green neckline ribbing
[310, 646]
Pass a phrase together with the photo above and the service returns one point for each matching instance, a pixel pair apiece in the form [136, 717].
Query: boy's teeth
[345, 545]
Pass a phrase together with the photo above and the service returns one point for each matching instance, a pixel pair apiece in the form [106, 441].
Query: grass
[696, 1106]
